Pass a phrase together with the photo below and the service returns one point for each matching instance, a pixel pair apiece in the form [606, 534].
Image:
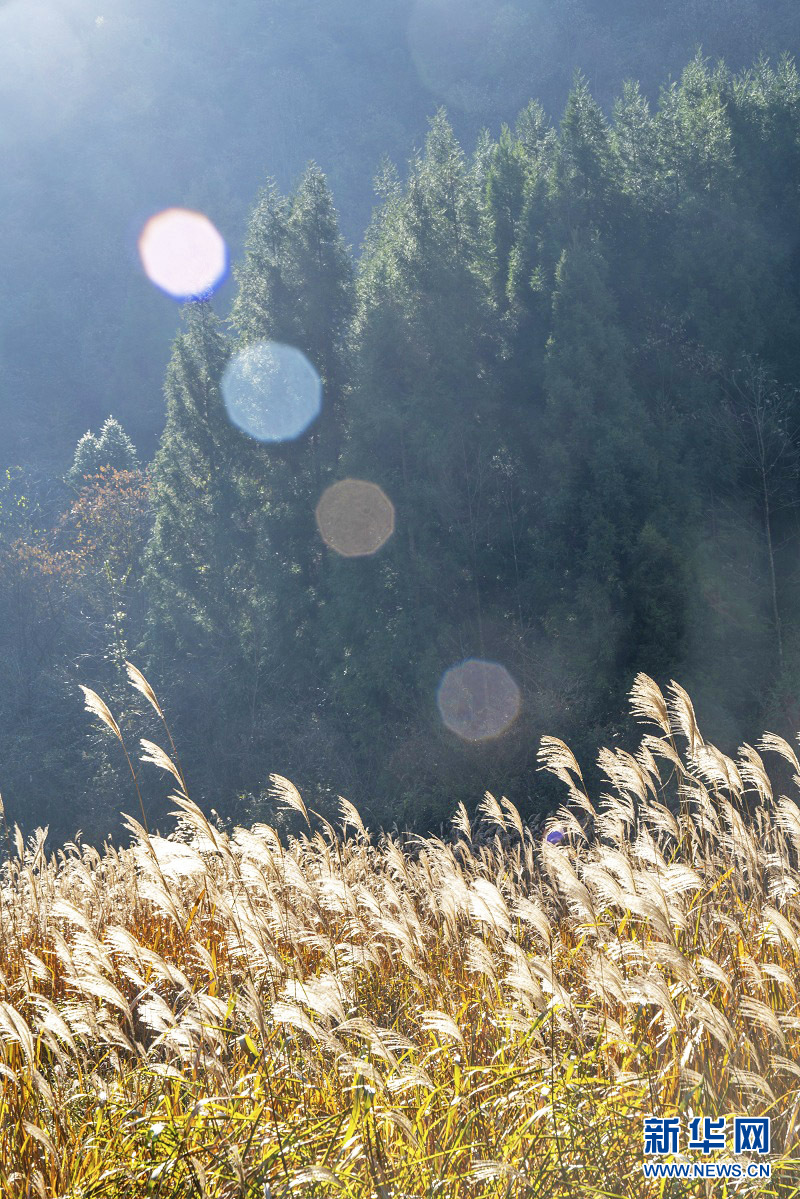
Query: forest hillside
[552, 439]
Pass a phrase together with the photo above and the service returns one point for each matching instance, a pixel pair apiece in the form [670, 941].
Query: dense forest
[567, 356]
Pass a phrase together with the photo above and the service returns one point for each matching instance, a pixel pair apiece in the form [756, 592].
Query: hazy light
[481, 55]
[478, 699]
[271, 391]
[183, 254]
[447, 39]
[355, 518]
[44, 78]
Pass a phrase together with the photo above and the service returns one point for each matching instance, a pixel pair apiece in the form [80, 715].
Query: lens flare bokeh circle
[355, 518]
[183, 254]
[271, 391]
[478, 700]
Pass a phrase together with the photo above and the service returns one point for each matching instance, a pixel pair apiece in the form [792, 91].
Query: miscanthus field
[337, 1012]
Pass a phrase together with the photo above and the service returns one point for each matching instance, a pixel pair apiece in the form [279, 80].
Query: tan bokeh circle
[355, 518]
[478, 699]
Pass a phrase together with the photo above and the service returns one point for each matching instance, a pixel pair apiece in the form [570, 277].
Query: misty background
[113, 111]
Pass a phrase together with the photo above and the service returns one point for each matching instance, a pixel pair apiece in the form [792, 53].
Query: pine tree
[266, 301]
[425, 428]
[505, 198]
[529, 264]
[584, 179]
[322, 266]
[193, 493]
[604, 516]
[206, 634]
[111, 448]
[296, 287]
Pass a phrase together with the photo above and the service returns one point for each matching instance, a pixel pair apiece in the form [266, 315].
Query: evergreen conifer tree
[112, 448]
[584, 172]
[600, 476]
[425, 428]
[296, 288]
[205, 637]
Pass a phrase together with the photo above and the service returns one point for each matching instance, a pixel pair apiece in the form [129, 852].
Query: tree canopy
[568, 358]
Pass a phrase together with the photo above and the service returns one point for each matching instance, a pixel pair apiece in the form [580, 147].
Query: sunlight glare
[44, 79]
[183, 254]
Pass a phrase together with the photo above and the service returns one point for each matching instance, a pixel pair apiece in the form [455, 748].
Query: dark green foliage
[203, 620]
[571, 361]
[295, 286]
[295, 247]
[583, 181]
[600, 470]
[191, 551]
[423, 427]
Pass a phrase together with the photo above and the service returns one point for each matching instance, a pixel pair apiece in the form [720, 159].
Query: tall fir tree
[605, 519]
[112, 447]
[426, 427]
[207, 629]
[584, 177]
[296, 288]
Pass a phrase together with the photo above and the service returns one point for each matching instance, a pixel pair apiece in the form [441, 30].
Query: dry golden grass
[341, 1014]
